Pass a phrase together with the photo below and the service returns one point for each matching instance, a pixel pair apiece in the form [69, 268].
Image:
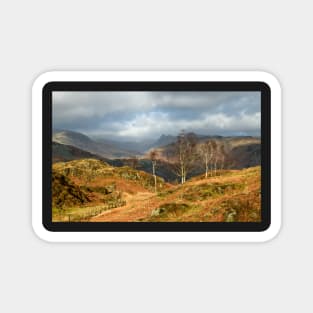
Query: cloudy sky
[146, 115]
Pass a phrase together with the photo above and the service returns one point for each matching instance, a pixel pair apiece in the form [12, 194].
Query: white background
[37, 36]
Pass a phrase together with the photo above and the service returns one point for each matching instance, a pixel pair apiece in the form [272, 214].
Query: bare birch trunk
[155, 178]
[182, 175]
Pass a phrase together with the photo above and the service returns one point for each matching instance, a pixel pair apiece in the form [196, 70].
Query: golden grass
[231, 196]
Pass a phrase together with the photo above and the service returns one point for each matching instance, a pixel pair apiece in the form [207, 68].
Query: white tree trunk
[182, 174]
[155, 178]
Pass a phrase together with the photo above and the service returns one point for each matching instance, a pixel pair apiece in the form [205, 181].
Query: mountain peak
[164, 140]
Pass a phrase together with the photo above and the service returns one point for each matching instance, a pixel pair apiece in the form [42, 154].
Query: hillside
[93, 190]
[81, 141]
[90, 171]
[65, 193]
[241, 152]
[63, 153]
[232, 196]
[96, 185]
[243, 156]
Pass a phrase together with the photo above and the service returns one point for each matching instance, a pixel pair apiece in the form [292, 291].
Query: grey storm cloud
[140, 115]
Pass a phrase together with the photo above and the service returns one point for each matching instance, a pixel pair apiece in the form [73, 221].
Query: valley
[189, 178]
[239, 152]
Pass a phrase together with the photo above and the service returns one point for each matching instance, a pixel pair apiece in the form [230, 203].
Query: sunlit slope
[232, 196]
[93, 190]
[229, 197]
[83, 188]
[91, 172]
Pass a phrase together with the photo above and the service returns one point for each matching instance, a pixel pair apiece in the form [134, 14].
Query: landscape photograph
[147, 156]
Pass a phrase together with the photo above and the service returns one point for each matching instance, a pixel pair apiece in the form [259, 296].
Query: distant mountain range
[64, 153]
[81, 141]
[133, 147]
[108, 148]
[241, 152]
[138, 147]
[164, 140]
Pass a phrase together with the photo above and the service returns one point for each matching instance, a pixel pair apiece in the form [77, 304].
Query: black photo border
[262, 87]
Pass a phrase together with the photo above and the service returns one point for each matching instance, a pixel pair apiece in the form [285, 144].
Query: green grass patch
[169, 211]
[244, 210]
[81, 214]
[205, 191]
[165, 193]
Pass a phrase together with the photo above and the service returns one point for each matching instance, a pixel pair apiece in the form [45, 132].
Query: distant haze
[138, 116]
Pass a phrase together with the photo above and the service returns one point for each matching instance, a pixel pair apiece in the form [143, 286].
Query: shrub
[241, 210]
[170, 209]
[205, 191]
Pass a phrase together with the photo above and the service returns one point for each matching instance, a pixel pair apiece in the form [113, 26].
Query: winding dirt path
[138, 206]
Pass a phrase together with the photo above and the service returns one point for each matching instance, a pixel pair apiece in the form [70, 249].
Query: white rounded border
[276, 141]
